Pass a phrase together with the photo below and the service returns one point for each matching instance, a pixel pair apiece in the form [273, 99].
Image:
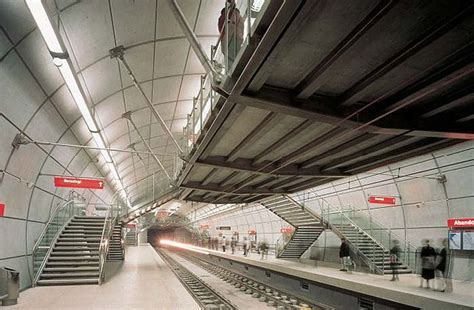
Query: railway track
[205, 296]
[260, 291]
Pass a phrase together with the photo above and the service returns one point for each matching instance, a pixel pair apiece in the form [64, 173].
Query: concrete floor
[406, 289]
[143, 281]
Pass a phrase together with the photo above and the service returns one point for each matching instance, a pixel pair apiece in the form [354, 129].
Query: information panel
[468, 240]
[455, 239]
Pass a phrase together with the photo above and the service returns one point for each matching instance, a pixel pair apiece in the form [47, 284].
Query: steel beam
[399, 155]
[128, 116]
[309, 85]
[87, 147]
[378, 147]
[193, 40]
[413, 148]
[285, 139]
[337, 149]
[253, 136]
[411, 49]
[216, 188]
[264, 168]
[118, 52]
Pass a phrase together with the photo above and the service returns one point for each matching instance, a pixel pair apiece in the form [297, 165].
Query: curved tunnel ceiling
[158, 54]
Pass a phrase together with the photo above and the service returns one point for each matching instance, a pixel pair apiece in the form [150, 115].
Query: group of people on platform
[433, 263]
[223, 243]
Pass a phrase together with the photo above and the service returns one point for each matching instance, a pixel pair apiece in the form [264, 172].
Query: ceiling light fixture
[62, 61]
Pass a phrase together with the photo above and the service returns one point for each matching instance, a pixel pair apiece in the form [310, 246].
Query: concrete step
[73, 258]
[71, 263]
[68, 281]
[69, 269]
[69, 275]
[68, 253]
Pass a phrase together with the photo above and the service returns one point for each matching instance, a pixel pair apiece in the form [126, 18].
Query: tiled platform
[406, 291]
[143, 281]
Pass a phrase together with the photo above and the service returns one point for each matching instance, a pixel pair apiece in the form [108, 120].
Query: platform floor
[143, 281]
[405, 291]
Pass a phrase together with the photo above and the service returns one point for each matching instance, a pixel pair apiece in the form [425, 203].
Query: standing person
[235, 28]
[263, 247]
[444, 282]
[344, 255]
[233, 241]
[223, 244]
[245, 246]
[394, 259]
[428, 255]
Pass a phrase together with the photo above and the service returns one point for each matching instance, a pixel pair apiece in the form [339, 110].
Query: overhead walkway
[287, 117]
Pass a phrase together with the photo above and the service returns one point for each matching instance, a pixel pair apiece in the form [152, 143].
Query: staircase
[308, 227]
[116, 250]
[74, 258]
[131, 237]
[375, 252]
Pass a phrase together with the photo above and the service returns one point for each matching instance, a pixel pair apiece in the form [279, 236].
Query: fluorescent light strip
[51, 38]
[76, 93]
[44, 24]
[100, 143]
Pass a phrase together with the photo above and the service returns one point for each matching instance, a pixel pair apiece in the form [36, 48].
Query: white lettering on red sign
[461, 223]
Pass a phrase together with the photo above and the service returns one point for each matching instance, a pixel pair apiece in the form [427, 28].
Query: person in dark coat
[344, 255]
[235, 27]
[444, 282]
[428, 256]
[394, 259]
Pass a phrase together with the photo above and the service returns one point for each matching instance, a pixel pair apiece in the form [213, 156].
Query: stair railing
[107, 231]
[373, 228]
[333, 218]
[45, 243]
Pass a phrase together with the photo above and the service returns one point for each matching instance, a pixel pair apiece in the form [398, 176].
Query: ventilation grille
[366, 304]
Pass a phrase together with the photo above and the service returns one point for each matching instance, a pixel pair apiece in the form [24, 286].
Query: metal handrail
[107, 231]
[38, 245]
[46, 256]
[334, 228]
[56, 210]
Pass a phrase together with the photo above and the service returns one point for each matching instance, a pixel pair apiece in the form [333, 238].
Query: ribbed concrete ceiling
[158, 54]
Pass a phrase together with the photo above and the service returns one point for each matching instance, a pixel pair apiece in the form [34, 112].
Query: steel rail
[204, 295]
[273, 297]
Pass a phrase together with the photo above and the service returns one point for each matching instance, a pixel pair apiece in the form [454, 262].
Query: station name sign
[461, 223]
[382, 200]
[72, 182]
[223, 228]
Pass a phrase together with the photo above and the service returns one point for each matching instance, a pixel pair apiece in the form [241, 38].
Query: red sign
[2, 209]
[204, 226]
[287, 230]
[73, 182]
[131, 225]
[252, 232]
[162, 214]
[467, 222]
[382, 200]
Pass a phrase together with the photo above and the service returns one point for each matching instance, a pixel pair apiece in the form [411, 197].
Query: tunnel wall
[251, 217]
[422, 207]
[32, 92]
